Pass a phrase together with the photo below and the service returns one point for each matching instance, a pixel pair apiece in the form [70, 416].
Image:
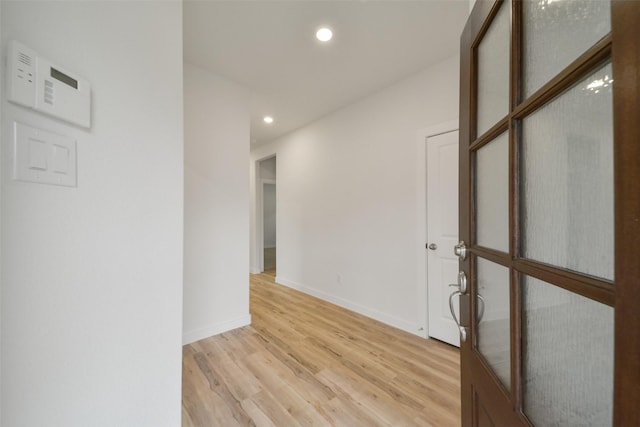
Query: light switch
[43, 157]
[37, 155]
[60, 159]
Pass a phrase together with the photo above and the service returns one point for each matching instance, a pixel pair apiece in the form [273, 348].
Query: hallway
[308, 362]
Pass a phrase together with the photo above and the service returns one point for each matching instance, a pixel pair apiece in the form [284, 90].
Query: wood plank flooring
[269, 258]
[306, 362]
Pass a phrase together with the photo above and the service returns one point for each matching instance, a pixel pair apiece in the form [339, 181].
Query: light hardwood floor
[269, 258]
[308, 362]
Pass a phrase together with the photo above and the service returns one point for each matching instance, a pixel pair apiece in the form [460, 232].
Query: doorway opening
[266, 213]
[269, 225]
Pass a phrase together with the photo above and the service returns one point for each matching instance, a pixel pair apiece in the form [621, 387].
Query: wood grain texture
[305, 361]
[626, 106]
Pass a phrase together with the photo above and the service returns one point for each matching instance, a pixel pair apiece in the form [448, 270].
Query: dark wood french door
[550, 213]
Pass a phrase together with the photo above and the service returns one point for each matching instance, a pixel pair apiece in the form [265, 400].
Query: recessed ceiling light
[324, 34]
[268, 119]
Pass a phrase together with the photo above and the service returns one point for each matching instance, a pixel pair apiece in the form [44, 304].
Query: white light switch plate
[44, 157]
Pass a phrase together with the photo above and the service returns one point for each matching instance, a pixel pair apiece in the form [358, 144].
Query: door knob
[433, 246]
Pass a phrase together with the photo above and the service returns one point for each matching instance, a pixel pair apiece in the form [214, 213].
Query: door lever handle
[480, 309]
[462, 283]
[480, 313]
[462, 329]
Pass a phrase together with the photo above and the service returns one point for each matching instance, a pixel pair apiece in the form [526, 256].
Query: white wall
[92, 276]
[269, 212]
[1, 172]
[268, 169]
[216, 229]
[348, 201]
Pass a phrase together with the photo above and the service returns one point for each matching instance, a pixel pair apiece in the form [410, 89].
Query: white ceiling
[270, 47]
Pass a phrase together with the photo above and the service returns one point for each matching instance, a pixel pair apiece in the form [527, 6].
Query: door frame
[421, 219]
[625, 58]
[626, 106]
[258, 220]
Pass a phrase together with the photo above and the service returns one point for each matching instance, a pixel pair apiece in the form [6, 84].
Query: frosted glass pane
[494, 337]
[492, 194]
[567, 357]
[568, 179]
[557, 32]
[493, 71]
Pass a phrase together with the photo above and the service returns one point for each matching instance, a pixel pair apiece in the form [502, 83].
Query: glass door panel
[544, 240]
[556, 33]
[567, 166]
[492, 308]
[493, 71]
[492, 194]
[567, 357]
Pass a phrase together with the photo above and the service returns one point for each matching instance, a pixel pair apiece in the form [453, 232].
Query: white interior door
[442, 233]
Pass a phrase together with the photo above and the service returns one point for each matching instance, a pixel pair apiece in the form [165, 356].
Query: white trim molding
[209, 331]
[350, 305]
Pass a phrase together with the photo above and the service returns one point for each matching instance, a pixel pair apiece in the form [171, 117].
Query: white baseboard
[350, 305]
[254, 270]
[218, 328]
